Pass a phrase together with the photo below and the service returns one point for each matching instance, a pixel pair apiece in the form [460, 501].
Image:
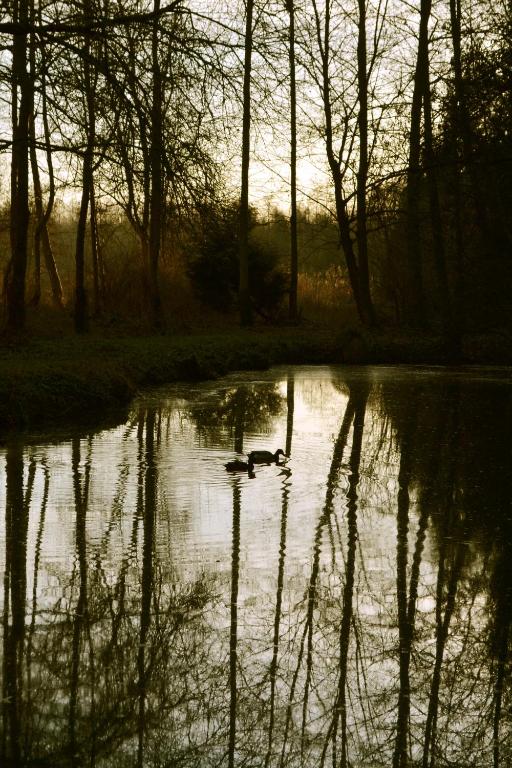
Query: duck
[265, 457]
[238, 466]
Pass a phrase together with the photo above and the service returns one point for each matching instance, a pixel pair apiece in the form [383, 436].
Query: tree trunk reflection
[15, 587]
[340, 710]
[148, 526]
[233, 631]
[123, 551]
[80, 620]
[406, 596]
[277, 615]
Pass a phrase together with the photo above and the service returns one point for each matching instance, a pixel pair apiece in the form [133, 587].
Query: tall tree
[22, 97]
[157, 158]
[156, 149]
[243, 293]
[339, 154]
[81, 319]
[438, 246]
[294, 261]
[362, 171]
[415, 311]
[97, 261]
[42, 241]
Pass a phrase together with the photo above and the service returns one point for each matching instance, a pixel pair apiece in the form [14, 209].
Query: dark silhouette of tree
[244, 297]
[362, 171]
[22, 98]
[238, 410]
[416, 305]
[41, 235]
[156, 151]
[81, 308]
[438, 241]
[311, 594]
[290, 410]
[294, 258]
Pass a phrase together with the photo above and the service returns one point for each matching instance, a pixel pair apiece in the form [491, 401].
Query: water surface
[351, 606]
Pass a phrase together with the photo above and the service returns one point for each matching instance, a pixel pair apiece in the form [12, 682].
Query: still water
[350, 606]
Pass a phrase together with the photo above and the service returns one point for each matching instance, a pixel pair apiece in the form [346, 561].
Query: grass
[53, 378]
[52, 381]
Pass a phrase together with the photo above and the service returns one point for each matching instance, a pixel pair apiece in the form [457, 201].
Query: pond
[348, 605]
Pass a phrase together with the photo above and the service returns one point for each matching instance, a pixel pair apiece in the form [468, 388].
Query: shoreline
[48, 383]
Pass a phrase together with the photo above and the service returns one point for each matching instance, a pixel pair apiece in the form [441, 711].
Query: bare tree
[294, 265]
[243, 295]
[22, 97]
[416, 306]
[362, 171]
[42, 239]
[339, 150]
[81, 311]
[156, 149]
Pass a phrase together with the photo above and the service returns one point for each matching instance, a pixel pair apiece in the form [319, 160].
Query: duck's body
[265, 457]
[238, 466]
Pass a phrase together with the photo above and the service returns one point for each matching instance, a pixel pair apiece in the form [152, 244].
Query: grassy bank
[45, 381]
[50, 382]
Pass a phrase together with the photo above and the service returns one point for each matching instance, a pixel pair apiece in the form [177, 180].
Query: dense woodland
[129, 130]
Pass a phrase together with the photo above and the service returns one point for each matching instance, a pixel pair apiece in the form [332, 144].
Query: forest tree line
[153, 113]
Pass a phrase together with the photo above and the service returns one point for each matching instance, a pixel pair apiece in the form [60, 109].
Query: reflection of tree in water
[117, 655]
[227, 416]
[102, 695]
[132, 666]
[17, 507]
[424, 685]
[308, 700]
[459, 472]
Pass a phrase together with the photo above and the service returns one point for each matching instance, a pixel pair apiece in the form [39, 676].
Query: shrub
[213, 267]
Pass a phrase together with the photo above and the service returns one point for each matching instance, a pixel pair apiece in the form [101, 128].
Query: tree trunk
[148, 568]
[156, 197]
[81, 318]
[415, 309]
[243, 291]
[293, 166]
[364, 310]
[459, 121]
[36, 297]
[22, 86]
[233, 624]
[96, 256]
[81, 314]
[41, 235]
[435, 218]
[51, 266]
[362, 172]
[463, 127]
